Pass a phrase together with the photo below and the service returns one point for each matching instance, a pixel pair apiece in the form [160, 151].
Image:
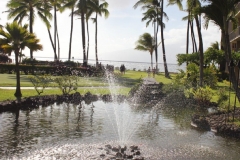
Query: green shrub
[210, 76]
[66, 83]
[222, 97]
[29, 61]
[203, 95]
[190, 78]
[40, 82]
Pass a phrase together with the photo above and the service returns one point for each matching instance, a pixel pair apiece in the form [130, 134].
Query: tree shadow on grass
[22, 78]
[127, 82]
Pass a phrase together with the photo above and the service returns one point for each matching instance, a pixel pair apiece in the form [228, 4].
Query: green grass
[7, 94]
[128, 80]
[9, 80]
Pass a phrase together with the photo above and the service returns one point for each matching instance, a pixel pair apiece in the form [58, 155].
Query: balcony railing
[234, 34]
[237, 8]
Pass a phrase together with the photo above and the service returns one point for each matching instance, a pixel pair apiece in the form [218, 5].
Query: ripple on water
[93, 151]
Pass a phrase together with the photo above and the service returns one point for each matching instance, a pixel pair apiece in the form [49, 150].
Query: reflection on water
[66, 128]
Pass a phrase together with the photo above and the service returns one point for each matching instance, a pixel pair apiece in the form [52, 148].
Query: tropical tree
[146, 43]
[57, 5]
[82, 7]
[217, 13]
[163, 44]
[158, 6]
[151, 15]
[100, 9]
[14, 39]
[22, 9]
[193, 7]
[71, 4]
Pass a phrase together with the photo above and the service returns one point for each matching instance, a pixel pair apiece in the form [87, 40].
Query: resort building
[234, 34]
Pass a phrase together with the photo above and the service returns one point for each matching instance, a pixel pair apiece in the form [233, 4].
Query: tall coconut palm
[146, 43]
[157, 4]
[100, 9]
[22, 9]
[152, 15]
[193, 7]
[56, 4]
[14, 39]
[82, 7]
[71, 4]
[227, 11]
[163, 44]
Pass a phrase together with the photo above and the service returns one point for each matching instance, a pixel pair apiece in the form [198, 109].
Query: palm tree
[21, 9]
[82, 7]
[152, 16]
[226, 11]
[71, 5]
[146, 43]
[14, 39]
[99, 9]
[160, 14]
[57, 4]
[163, 44]
[193, 7]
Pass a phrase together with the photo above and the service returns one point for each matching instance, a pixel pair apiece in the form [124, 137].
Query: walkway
[148, 80]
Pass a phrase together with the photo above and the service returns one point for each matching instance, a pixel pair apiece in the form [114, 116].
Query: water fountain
[109, 130]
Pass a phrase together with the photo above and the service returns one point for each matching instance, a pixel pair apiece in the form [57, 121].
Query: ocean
[141, 66]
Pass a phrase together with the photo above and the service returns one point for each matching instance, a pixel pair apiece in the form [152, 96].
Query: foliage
[236, 56]
[70, 63]
[203, 95]
[3, 58]
[40, 82]
[190, 58]
[222, 97]
[29, 61]
[213, 55]
[190, 78]
[210, 76]
[66, 83]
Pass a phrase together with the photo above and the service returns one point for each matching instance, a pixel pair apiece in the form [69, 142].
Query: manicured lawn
[9, 94]
[9, 80]
[127, 80]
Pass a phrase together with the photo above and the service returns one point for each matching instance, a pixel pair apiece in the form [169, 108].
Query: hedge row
[53, 70]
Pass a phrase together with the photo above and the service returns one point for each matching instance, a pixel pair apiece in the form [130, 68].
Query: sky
[117, 35]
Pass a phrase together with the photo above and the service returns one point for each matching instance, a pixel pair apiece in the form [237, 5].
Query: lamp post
[236, 89]
[231, 64]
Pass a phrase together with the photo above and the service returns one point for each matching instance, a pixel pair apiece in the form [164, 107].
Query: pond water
[69, 131]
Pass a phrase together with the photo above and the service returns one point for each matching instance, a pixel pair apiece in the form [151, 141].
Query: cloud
[123, 4]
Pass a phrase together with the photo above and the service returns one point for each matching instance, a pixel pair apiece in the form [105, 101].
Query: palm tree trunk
[50, 37]
[88, 38]
[83, 38]
[96, 42]
[187, 43]
[58, 45]
[18, 93]
[156, 47]
[70, 41]
[193, 38]
[31, 29]
[151, 61]
[222, 64]
[200, 51]
[55, 32]
[163, 45]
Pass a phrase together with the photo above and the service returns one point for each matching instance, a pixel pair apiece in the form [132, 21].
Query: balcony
[238, 10]
[235, 34]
